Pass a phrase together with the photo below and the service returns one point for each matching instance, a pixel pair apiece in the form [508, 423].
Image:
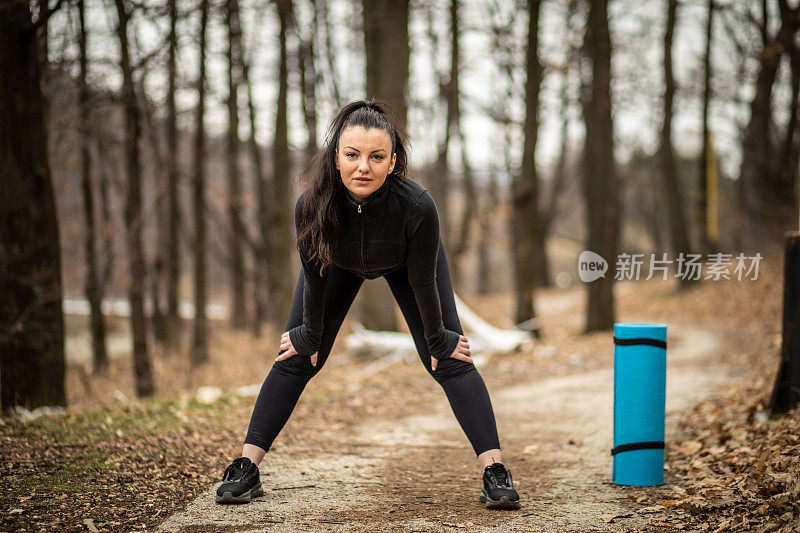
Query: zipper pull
[359, 208]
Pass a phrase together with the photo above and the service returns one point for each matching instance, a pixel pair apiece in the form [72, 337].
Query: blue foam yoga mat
[640, 382]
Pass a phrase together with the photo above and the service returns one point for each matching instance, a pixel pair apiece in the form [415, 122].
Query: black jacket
[398, 224]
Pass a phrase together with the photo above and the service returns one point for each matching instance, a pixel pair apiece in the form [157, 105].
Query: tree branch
[44, 17]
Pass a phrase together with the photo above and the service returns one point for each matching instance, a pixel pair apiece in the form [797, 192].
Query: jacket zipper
[363, 259]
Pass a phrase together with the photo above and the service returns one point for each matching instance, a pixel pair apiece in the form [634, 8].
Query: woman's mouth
[363, 180]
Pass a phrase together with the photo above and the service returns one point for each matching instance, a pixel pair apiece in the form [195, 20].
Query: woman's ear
[394, 160]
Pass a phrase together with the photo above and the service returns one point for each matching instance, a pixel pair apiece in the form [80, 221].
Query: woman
[359, 219]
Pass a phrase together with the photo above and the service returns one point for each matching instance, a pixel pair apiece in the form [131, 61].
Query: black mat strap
[637, 446]
[634, 342]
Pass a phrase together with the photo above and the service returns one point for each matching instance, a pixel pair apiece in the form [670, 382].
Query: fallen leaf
[609, 518]
[689, 447]
[658, 523]
[650, 510]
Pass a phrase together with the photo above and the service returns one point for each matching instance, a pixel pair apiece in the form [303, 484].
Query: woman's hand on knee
[287, 350]
[461, 352]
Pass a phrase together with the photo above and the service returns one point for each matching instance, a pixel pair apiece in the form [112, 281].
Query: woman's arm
[423, 249]
[306, 337]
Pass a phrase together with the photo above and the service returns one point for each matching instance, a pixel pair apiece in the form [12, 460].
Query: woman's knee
[298, 365]
[450, 368]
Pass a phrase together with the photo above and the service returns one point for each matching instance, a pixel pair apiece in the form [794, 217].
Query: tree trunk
[550, 211]
[599, 174]
[387, 51]
[158, 317]
[280, 279]
[261, 266]
[787, 175]
[470, 202]
[93, 292]
[31, 318]
[329, 55]
[107, 227]
[308, 81]
[238, 304]
[677, 221]
[439, 180]
[763, 195]
[199, 351]
[550, 208]
[791, 143]
[43, 45]
[133, 213]
[702, 193]
[486, 229]
[173, 257]
[525, 199]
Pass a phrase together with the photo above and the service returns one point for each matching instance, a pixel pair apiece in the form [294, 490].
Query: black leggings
[460, 380]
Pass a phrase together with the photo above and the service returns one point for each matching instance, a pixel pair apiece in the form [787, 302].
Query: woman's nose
[363, 165]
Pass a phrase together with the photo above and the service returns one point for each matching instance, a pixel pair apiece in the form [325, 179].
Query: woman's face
[364, 159]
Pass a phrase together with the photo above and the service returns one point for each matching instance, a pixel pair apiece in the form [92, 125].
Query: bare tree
[234, 56]
[43, 44]
[550, 209]
[766, 196]
[261, 266]
[702, 184]
[501, 29]
[173, 258]
[106, 262]
[439, 180]
[308, 77]
[330, 54]
[790, 152]
[677, 219]
[199, 351]
[599, 173]
[280, 290]
[453, 92]
[528, 239]
[786, 179]
[93, 291]
[387, 52]
[31, 318]
[133, 210]
[152, 134]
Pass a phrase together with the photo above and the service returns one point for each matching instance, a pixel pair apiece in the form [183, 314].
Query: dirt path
[418, 474]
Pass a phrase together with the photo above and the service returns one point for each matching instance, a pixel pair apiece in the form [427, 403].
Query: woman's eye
[350, 154]
[378, 157]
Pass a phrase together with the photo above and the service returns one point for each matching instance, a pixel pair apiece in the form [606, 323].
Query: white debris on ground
[208, 395]
[249, 390]
[483, 337]
[26, 415]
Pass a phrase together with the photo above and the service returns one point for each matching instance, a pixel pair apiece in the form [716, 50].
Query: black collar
[374, 202]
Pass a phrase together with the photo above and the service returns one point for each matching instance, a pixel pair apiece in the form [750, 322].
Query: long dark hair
[320, 224]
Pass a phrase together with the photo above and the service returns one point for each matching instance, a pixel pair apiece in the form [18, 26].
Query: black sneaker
[498, 488]
[240, 483]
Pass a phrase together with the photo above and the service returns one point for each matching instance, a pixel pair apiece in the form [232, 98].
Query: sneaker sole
[245, 497]
[502, 503]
